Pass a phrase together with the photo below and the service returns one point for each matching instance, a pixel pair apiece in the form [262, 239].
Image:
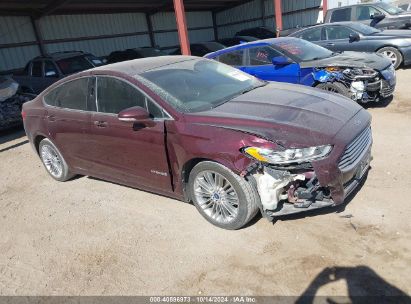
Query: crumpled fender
[326, 76]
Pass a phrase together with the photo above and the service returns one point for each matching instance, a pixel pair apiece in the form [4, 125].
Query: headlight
[288, 156]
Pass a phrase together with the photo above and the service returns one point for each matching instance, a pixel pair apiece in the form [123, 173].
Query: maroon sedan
[201, 131]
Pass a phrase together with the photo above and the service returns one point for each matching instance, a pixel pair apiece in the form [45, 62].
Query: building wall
[296, 13]
[99, 34]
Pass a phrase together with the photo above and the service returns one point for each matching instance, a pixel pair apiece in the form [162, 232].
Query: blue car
[363, 77]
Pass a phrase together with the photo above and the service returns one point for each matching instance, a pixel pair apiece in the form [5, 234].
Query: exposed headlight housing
[289, 156]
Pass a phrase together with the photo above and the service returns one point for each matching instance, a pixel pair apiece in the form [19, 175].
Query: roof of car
[270, 41]
[138, 66]
[352, 5]
[348, 23]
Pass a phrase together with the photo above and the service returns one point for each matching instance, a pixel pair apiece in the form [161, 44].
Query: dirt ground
[90, 237]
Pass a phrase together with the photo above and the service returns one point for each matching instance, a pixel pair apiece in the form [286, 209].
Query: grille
[386, 89]
[355, 148]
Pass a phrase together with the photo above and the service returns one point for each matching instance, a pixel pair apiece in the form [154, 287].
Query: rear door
[127, 152]
[259, 64]
[68, 120]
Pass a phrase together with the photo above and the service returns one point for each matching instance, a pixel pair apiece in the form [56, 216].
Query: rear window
[234, 58]
[70, 95]
[36, 69]
[73, 65]
[312, 35]
[343, 14]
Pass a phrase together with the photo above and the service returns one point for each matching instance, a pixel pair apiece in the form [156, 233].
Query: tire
[334, 87]
[393, 54]
[220, 207]
[53, 161]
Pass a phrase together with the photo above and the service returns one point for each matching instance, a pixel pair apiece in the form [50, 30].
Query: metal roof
[39, 8]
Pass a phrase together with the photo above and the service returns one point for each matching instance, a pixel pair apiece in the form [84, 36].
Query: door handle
[100, 124]
[51, 118]
[330, 44]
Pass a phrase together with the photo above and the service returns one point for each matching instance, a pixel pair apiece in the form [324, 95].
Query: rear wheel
[53, 161]
[392, 54]
[222, 197]
[334, 87]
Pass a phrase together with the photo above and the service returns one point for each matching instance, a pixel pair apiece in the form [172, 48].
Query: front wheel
[334, 87]
[222, 197]
[392, 54]
[53, 161]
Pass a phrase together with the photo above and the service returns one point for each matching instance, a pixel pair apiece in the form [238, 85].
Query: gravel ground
[90, 237]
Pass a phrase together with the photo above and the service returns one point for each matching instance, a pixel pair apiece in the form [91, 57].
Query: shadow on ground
[11, 135]
[364, 286]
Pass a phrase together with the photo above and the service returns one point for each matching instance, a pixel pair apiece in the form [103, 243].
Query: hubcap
[391, 56]
[216, 196]
[51, 161]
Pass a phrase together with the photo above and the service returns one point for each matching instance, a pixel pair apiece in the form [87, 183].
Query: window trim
[166, 114]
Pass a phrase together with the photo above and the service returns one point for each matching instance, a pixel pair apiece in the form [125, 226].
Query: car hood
[290, 115]
[351, 60]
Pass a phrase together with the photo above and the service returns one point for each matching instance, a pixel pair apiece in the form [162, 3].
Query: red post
[182, 27]
[325, 8]
[278, 16]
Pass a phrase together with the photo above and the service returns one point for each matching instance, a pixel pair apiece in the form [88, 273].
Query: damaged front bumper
[285, 192]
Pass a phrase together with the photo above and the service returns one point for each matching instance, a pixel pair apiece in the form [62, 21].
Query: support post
[182, 27]
[150, 30]
[215, 28]
[37, 33]
[325, 8]
[278, 16]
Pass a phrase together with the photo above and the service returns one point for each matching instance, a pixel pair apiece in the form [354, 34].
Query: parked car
[352, 36]
[260, 32]
[381, 15]
[136, 53]
[236, 40]
[200, 49]
[43, 71]
[198, 130]
[362, 77]
[11, 101]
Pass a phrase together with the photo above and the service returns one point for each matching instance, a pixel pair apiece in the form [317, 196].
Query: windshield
[364, 29]
[73, 65]
[302, 50]
[199, 84]
[391, 9]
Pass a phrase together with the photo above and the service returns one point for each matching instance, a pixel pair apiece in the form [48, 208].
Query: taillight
[23, 114]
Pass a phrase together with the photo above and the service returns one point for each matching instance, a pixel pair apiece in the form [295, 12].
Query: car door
[36, 79]
[127, 152]
[260, 65]
[68, 120]
[337, 39]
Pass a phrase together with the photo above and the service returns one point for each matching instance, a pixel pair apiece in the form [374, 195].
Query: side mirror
[354, 37]
[377, 16]
[280, 60]
[136, 115]
[51, 74]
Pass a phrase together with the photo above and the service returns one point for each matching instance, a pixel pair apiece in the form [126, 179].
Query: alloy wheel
[216, 196]
[51, 161]
[391, 56]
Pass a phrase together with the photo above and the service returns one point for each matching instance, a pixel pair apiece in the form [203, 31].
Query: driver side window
[262, 55]
[338, 32]
[114, 95]
[365, 12]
